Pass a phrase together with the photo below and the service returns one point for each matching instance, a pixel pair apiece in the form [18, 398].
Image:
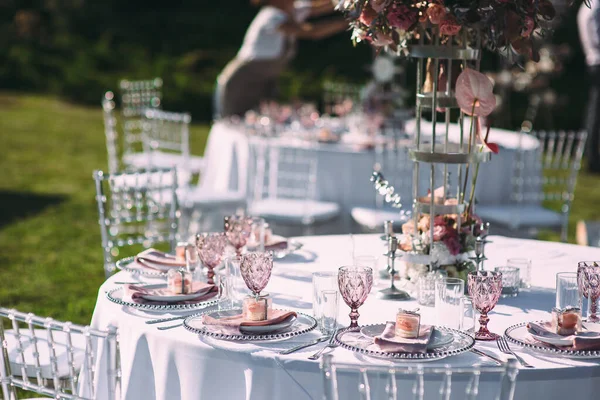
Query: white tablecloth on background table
[176, 364]
[350, 168]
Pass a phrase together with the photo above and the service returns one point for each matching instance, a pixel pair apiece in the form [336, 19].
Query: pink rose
[439, 231]
[402, 17]
[408, 227]
[379, 5]
[449, 26]
[528, 26]
[423, 224]
[436, 13]
[368, 15]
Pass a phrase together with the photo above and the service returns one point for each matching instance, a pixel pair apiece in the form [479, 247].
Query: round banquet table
[350, 166]
[177, 364]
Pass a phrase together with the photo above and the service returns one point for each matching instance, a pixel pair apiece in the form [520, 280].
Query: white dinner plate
[168, 298]
[590, 329]
[438, 337]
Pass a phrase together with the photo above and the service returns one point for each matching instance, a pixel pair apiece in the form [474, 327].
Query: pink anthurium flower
[493, 147]
[475, 93]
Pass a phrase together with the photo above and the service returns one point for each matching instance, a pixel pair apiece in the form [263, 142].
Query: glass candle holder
[180, 251]
[566, 321]
[426, 289]
[408, 324]
[256, 309]
[511, 281]
[179, 281]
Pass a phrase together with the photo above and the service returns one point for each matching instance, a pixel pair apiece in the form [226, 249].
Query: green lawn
[50, 256]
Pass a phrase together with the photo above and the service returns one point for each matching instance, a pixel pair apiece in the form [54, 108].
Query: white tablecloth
[176, 364]
[350, 169]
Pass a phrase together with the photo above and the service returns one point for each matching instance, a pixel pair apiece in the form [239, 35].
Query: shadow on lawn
[19, 205]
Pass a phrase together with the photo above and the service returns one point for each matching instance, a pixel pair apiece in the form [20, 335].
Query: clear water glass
[426, 289]
[256, 242]
[225, 297]
[322, 281]
[448, 295]
[524, 266]
[511, 281]
[365, 261]
[238, 286]
[468, 317]
[192, 260]
[567, 290]
[329, 305]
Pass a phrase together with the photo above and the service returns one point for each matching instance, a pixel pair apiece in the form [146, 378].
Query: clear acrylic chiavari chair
[136, 208]
[417, 382]
[111, 132]
[136, 97]
[541, 184]
[57, 359]
[283, 182]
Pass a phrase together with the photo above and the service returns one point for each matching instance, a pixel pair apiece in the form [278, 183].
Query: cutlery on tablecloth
[330, 345]
[161, 320]
[128, 283]
[304, 345]
[164, 328]
[503, 346]
[483, 354]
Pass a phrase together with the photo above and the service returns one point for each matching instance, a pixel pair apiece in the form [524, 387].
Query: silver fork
[330, 345]
[503, 346]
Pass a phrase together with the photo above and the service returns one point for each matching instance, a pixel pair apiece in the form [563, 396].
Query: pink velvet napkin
[203, 291]
[390, 343]
[581, 341]
[276, 243]
[152, 256]
[235, 321]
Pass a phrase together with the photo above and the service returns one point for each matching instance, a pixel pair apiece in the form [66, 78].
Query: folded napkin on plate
[154, 259]
[581, 341]
[203, 291]
[236, 321]
[276, 243]
[390, 343]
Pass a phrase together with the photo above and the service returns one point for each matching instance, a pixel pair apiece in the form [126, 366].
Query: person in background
[588, 22]
[268, 46]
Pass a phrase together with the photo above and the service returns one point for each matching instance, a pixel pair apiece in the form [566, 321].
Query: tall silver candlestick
[392, 293]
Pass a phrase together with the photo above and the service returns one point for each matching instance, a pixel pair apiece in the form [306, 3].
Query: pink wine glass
[485, 288]
[588, 282]
[256, 270]
[211, 249]
[355, 285]
[238, 229]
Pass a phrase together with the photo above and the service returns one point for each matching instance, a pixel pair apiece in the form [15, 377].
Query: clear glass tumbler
[329, 306]
[511, 281]
[448, 295]
[322, 281]
[524, 266]
[567, 290]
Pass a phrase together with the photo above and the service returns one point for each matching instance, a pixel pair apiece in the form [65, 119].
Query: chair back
[111, 131]
[555, 164]
[136, 98]
[393, 382]
[57, 359]
[136, 208]
[340, 99]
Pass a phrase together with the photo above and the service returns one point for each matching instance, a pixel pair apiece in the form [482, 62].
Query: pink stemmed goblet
[256, 270]
[211, 249]
[485, 289]
[355, 285]
[238, 229]
[588, 282]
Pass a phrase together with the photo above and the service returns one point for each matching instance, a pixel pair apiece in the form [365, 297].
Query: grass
[50, 256]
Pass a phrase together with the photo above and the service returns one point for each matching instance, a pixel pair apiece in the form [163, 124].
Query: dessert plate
[439, 338]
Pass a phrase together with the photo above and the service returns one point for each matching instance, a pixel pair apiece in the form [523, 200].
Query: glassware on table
[588, 280]
[468, 318]
[355, 285]
[485, 288]
[365, 261]
[238, 229]
[567, 290]
[238, 286]
[426, 288]
[322, 281]
[226, 297]
[257, 239]
[256, 268]
[448, 301]
[524, 266]
[211, 249]
[328, 310]
[511, 281]
[192, 260]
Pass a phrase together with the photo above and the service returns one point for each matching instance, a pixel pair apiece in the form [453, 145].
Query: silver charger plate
[127, 264]
[439, 338]
[352, 339]
[173, 298]
[303, 323]
[117, 296]
[519, 334]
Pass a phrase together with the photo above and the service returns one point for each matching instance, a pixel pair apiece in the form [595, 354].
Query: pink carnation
[402, 17]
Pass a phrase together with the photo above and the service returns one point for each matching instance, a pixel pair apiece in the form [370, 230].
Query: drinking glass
[256, 242]
[448, 306]
[225, 297]
[355, 285]
[192, 260]
[426, 288]
[468, 319]
[256, 270]
[322, 281]
[588, 280]
[567, 290]
[238, 286]
[328, 309]
[485, 288]
[510, 281]
[524, 266]
[365, 261]
[238, 229]
[211, 249]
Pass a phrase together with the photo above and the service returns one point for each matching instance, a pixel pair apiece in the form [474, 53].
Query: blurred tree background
[78, 49]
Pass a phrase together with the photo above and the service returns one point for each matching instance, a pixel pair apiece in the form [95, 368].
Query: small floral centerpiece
[504, 24]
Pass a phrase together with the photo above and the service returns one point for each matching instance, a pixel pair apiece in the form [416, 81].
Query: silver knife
[481, 353]
[304, 345]
[158, 321]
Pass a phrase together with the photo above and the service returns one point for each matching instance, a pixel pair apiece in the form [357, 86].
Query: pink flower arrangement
[402, 17]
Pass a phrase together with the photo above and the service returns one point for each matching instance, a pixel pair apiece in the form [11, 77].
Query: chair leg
[564, 229]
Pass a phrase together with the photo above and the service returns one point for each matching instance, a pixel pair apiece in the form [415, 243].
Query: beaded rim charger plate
[125, 264]
[117, 296]
[519, 334]
[302, 324]
[352, 339]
